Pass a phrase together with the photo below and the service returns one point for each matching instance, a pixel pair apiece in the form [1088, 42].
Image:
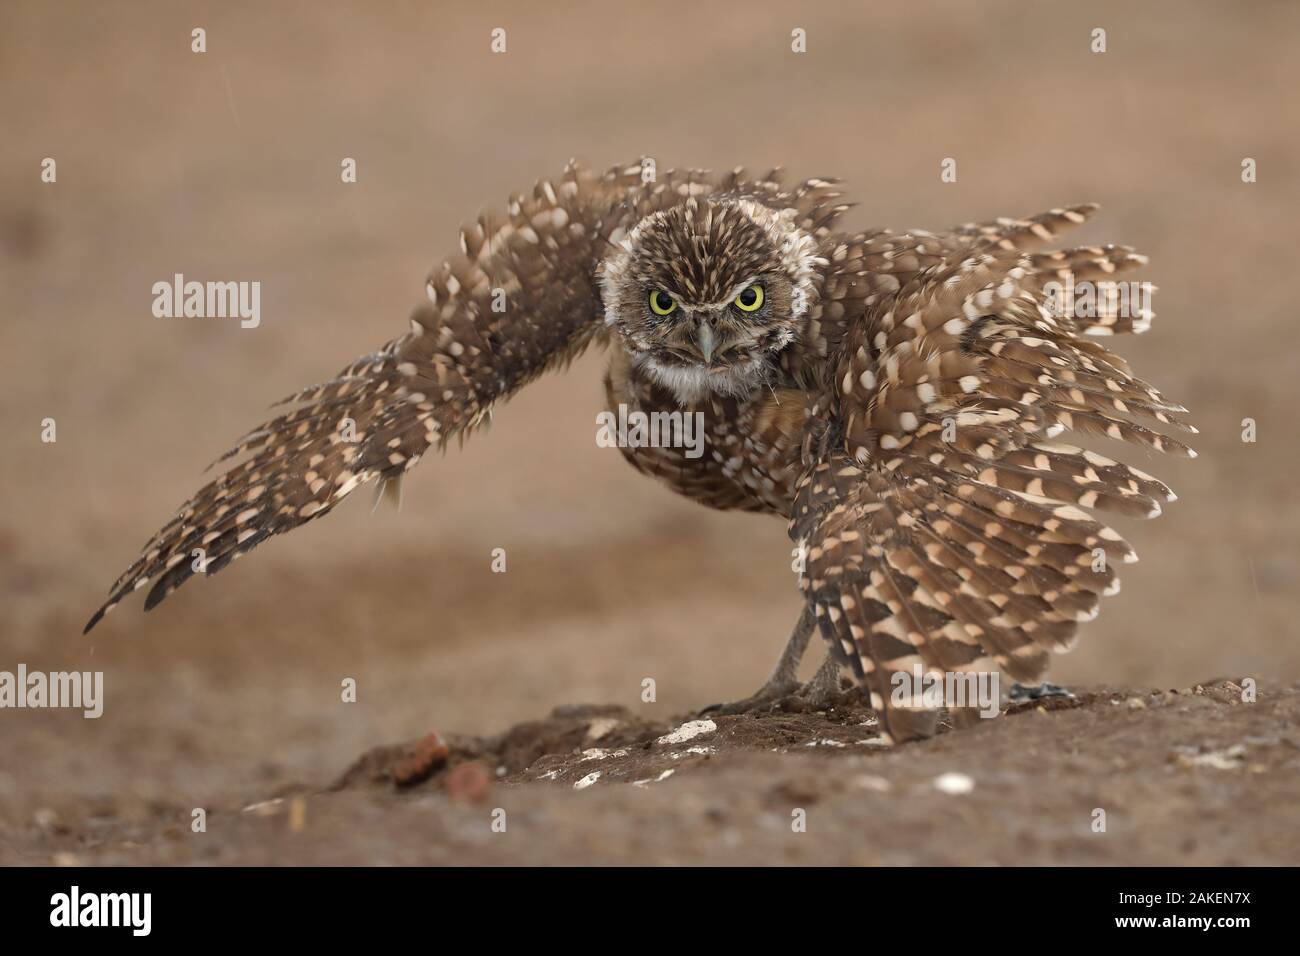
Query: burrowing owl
[896, 396]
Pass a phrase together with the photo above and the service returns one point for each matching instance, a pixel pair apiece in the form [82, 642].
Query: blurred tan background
[225, 166]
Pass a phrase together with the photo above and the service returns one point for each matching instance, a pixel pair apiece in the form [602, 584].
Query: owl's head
[705, 294]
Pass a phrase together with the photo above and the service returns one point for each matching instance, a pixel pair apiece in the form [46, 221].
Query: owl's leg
[825, 684]
[784, 680]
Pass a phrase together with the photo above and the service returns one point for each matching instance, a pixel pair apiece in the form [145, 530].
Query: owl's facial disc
[721, 346]
[705, 295]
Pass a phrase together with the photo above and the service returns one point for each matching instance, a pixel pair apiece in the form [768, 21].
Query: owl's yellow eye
[661, 303]
[750, 298]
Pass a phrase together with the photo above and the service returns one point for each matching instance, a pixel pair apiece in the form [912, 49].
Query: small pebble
[469, 782]
[953, 783]
[688, 731]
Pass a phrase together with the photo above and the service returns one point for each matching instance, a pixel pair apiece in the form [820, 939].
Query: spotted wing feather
[944, 525]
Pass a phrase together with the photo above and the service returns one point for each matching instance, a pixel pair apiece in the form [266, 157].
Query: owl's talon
[786, 693]
[820, 692]
[765, 698]
[784, 681]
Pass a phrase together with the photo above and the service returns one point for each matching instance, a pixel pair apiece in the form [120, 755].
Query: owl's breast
[722, 452]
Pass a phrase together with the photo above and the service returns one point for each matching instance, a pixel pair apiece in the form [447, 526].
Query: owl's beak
[705, 341]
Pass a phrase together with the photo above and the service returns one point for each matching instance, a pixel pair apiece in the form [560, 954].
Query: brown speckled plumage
[898, 397]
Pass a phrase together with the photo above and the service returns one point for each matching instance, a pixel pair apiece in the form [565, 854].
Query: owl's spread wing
[521, 297]
[942, 525]
[518, 299]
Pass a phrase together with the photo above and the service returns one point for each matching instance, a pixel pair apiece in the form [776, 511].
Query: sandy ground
[226, 165]
[1190, 777]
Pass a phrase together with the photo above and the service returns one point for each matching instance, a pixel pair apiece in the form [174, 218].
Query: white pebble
[953, 783]
[688, 731]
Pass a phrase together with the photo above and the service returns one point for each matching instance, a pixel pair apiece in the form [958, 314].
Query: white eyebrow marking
[727, 299]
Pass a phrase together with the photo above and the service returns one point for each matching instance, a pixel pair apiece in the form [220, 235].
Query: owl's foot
[820, 692]
[773, 691]
[1022, 692]
[787, 693]
[784, 680]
